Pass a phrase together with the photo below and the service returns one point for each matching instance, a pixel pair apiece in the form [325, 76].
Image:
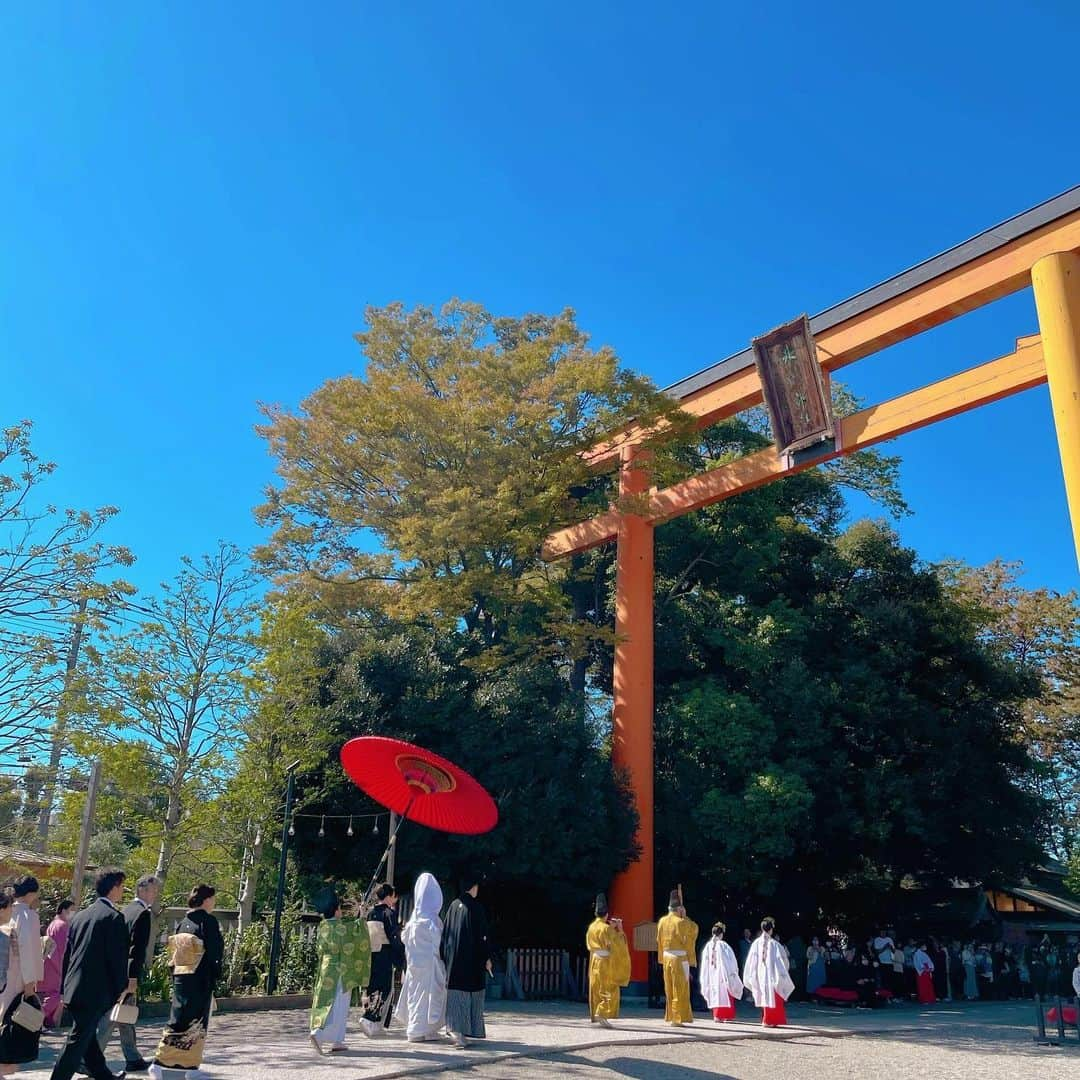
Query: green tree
[54, 594]
[454, 456]
[828, 716]
[1038, 629]
[171, 688]
[565, 823]
[282, 726]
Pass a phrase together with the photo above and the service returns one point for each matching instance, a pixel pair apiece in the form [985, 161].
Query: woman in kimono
[609, 964]
[718, 975]
[766, 975]
[6, 952]
[26, 963]
[422, 1005]
[57, 934]
[676, 941]
[815, 966]
[344, 950]
[197, 952]
[386, 956]
[924, 976]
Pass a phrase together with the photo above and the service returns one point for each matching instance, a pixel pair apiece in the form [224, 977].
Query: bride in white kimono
[422, 1005]
[766, 976]
[718, 975]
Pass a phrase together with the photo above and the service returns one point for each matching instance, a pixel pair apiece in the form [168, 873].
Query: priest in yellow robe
[676, 943]
[609, 964]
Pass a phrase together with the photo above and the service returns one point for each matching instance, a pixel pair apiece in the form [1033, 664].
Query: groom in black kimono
[466, 952]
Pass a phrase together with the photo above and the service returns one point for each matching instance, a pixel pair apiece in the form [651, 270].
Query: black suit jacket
[137, 917]
[96, 960]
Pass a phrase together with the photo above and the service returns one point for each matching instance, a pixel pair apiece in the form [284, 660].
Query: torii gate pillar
[1055, 281]
[632, 735]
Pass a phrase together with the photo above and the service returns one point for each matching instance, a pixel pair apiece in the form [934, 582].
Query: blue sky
[199, 200]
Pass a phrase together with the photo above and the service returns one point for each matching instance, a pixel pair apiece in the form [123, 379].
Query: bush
[247, 963]
[296, 974]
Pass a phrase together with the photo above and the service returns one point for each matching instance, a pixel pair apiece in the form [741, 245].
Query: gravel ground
[896, 1057]
[554, 1039]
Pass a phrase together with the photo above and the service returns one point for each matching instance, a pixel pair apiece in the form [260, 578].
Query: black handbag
[17, 1044]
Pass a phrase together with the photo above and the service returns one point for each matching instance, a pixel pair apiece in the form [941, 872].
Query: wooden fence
[534, 974]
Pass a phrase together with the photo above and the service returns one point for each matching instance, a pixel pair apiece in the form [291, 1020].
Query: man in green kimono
[344, 951]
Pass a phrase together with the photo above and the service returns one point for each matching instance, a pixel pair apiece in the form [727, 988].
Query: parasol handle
[370, 891]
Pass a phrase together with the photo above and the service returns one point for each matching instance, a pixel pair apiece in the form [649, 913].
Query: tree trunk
[249, 873]
[251, 884]
[172, 819]
[56, 752]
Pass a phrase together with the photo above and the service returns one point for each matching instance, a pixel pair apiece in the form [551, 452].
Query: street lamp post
[275, 935]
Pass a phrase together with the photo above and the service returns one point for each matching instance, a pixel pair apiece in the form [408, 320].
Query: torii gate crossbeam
[1040, 248]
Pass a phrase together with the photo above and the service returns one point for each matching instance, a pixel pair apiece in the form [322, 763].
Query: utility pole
[71, 663]
[84, 835]
[275, 934]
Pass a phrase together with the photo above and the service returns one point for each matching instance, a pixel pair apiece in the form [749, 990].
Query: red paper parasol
[419, 785]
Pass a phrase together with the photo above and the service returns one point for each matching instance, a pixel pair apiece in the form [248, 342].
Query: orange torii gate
[1040, 247]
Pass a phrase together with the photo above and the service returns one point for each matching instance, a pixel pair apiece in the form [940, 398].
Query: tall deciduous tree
[1038, 629]
[282, 727]
[174, 683]
[454, 455]
[53, 591]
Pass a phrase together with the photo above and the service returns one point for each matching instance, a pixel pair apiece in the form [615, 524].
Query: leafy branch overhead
[424, 489]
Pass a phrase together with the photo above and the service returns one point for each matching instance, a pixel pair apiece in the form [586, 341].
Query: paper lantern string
[350, 831]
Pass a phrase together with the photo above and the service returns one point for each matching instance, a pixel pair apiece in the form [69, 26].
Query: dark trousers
[82, 1044]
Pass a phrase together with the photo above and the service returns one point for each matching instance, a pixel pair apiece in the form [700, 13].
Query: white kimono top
[422, 1005]
[718, 975]
[26, 928]
[766, 972]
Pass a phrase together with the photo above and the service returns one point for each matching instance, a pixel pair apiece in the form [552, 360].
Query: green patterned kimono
[344, 950]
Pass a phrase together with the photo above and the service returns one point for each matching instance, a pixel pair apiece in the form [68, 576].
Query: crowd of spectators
[958, 970]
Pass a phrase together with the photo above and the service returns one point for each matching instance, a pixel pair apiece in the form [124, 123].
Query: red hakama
[924, 986]
[777, 1015]
[724, 1012]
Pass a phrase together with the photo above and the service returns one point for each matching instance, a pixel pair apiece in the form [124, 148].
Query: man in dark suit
[138, 916]
[95, 975]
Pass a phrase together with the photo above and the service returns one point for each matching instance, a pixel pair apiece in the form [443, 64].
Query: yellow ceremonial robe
[676, 941]
[606, 972]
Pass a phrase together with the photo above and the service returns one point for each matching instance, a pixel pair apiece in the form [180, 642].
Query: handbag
[125, 1012]
[27, 1016]
[19, 1045]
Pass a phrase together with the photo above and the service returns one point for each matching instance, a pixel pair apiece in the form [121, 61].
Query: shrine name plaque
[796, 391]
[645, 937]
